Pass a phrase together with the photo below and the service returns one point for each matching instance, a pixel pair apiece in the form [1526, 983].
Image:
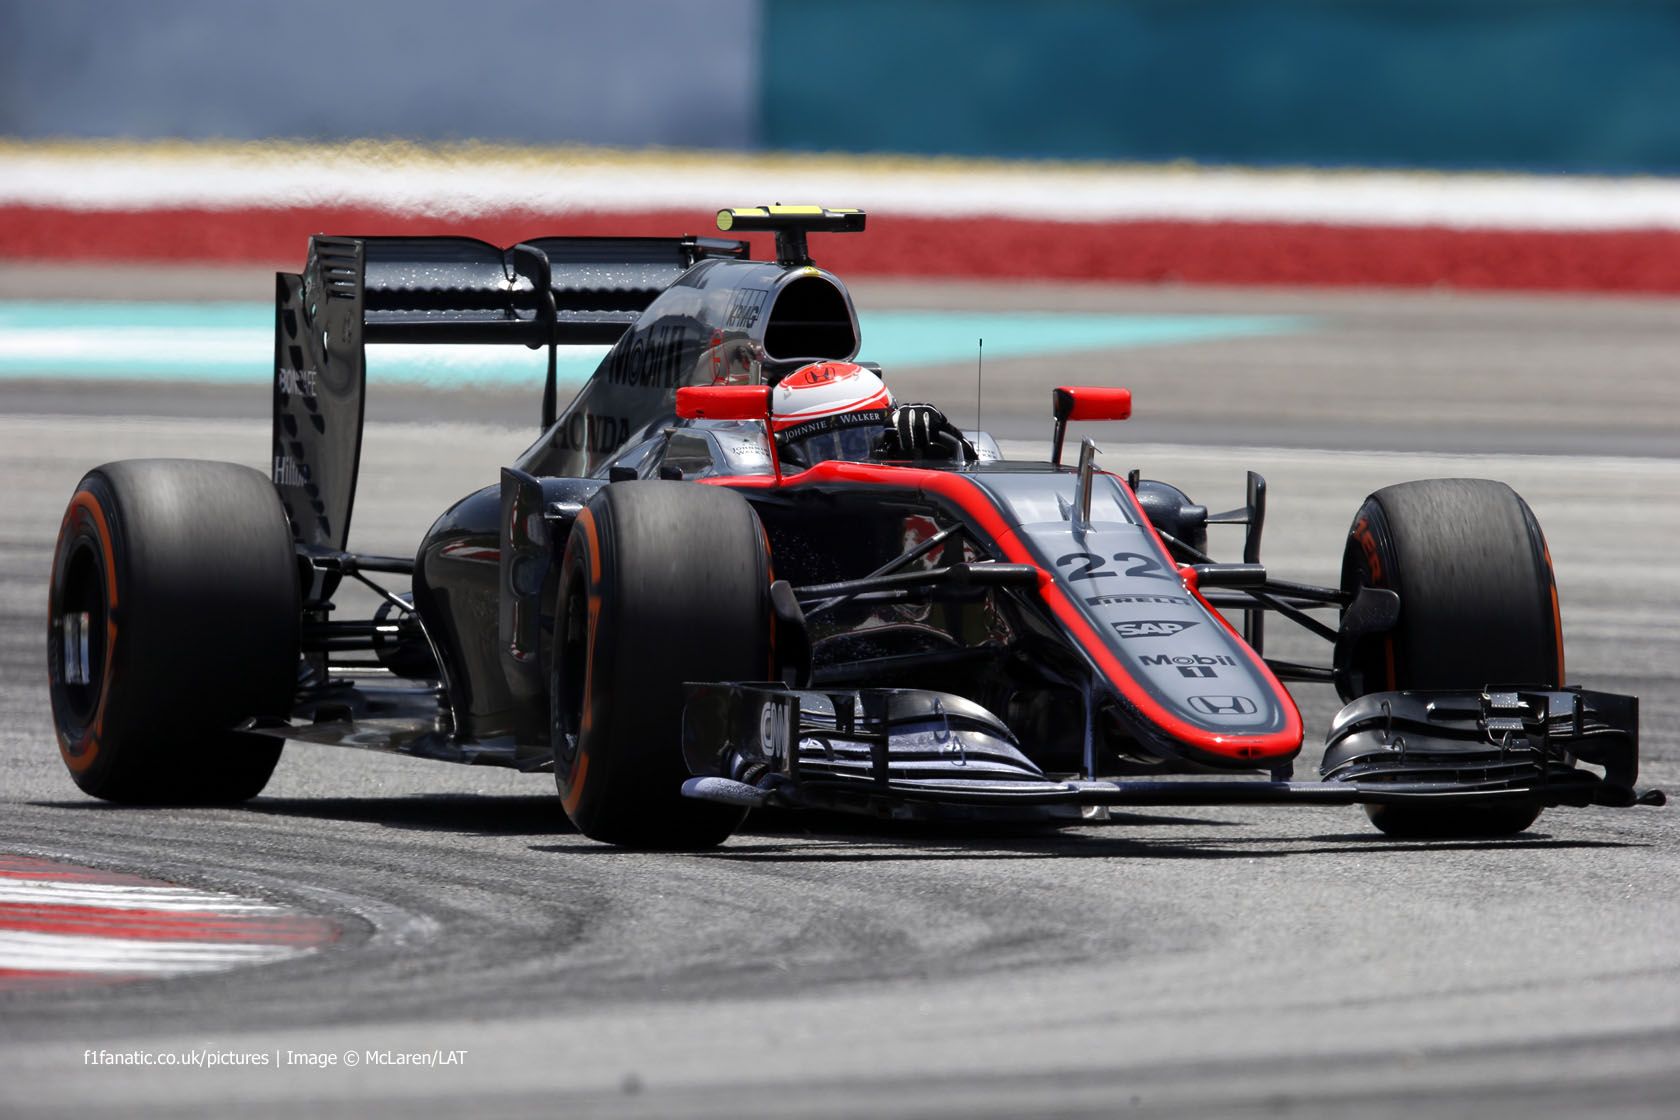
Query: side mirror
[1085, 402]
[723, 402]
[731, 402]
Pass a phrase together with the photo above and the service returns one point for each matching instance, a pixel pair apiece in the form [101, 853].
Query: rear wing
[352, 291]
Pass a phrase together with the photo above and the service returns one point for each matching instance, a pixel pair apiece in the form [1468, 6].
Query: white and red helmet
[829, 410]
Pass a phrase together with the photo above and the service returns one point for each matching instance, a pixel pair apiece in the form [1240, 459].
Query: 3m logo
[1224, 705]
[1151, 628]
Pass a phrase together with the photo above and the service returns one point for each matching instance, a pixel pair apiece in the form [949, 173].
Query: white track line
[54, 952]
[121, 897]
[454, 183]
[94, 928]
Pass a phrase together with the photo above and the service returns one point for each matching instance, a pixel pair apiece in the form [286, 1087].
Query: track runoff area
[1313, 375]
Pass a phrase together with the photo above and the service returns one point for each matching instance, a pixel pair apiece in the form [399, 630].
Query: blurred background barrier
[1477, 143]
[626, 72]
[1549, 85]
[1553, 85]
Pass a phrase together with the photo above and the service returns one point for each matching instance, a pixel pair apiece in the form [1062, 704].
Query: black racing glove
[922, 432]
[915, 426]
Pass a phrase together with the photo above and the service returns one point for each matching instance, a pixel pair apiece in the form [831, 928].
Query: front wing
[913, 753]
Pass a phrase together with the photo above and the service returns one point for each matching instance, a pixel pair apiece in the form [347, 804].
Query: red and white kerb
[65, 924]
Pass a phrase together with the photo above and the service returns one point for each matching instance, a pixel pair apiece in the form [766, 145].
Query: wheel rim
[571, 669]
[77, 633]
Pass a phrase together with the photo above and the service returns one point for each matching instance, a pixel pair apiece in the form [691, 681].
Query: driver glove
[916, 426]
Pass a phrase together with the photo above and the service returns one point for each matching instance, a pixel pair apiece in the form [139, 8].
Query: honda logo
[1224, 705]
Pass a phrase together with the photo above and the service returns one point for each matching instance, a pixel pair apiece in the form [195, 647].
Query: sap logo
[1151, 628]
[1224, 705]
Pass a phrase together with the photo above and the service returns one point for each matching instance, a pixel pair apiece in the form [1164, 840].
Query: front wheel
[1478, 606]
[173, 617]
[662, 583]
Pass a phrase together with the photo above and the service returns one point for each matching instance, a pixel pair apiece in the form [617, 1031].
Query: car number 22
[1141, 565]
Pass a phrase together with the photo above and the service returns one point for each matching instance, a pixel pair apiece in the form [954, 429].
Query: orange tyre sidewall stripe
[580, 762]
[1367, 542]
[1557, 613]
[574, 783]
[78, 760]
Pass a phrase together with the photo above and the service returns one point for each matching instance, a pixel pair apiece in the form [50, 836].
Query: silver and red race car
[680, 626]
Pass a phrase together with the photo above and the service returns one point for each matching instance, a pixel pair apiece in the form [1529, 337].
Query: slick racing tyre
[662, 582]
[173, 618]
[1478, 606]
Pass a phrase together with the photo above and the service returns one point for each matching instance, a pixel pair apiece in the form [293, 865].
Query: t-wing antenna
[790, 224]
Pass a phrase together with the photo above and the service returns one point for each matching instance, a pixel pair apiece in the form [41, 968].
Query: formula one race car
[682, 627]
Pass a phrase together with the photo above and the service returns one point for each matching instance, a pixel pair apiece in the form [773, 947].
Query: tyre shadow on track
[1280, 847]
[429, 812]
[467, 814]
[783, 837]
[836, 838]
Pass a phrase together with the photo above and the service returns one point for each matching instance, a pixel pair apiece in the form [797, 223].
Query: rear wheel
[1478, 606]
[662, 582]
[173, 618]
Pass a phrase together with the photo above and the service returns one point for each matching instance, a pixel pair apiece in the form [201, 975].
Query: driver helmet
[828, 410]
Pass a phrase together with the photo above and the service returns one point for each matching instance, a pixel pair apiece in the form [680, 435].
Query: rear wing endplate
[545, 292]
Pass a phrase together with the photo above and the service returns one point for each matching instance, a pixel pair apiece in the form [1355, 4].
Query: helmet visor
[854, 444]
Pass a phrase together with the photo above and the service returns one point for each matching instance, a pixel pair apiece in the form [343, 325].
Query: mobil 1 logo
[1192, 665]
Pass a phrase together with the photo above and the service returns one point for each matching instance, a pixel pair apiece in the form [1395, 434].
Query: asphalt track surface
[1217, 962]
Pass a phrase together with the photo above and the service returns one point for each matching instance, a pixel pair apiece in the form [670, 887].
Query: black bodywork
[992, 637]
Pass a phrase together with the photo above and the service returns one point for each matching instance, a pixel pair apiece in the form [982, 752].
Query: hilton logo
[1223, 705]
